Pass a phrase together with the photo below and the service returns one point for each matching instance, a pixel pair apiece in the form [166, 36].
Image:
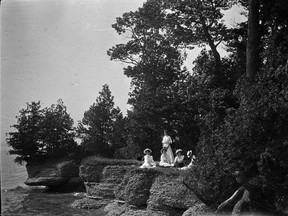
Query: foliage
[160, 32]
[42, 132]
[253, 130]
[101, 127]
[230, 123]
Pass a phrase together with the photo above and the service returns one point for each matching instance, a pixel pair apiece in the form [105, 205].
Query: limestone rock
[199, 209]
[91, 169]
[119, 209]
[114, 174]
[87, 203]
[114, 209]
[46, 181]
[136, 186]
[91, 172]
[53, 173]
[169, 192]
[104, 190]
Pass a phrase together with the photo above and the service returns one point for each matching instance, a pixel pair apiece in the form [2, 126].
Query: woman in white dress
[148, 159]
[166, 143]
[164, 160]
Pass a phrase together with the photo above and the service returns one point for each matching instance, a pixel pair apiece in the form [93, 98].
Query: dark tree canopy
[42, 132]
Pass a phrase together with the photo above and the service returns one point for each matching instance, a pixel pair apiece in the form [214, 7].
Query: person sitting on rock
[165, 159]
[148, 159]
[192, 157]
[179, 159]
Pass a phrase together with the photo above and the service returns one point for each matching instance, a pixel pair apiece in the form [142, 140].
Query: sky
[53, 49]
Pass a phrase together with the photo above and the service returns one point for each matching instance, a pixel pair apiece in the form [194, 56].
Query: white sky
[53, 49]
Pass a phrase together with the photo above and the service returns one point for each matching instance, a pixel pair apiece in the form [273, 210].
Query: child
[148, 159]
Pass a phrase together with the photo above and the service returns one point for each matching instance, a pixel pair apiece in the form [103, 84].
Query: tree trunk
[213, 47]
[253, 41]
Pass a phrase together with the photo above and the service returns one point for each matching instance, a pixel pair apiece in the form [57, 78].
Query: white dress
[166, 142]
[165, 160]
[148, 162]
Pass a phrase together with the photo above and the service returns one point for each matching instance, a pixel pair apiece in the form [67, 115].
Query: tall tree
[97, 126]
[159, 33]
[253, 41]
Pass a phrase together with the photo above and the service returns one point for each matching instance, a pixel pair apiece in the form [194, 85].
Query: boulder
[114, 209]
[135, 188]
[58, 173]
[169, 192]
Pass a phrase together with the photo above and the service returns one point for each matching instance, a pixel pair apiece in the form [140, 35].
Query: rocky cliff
[121, 188]
[57, 174]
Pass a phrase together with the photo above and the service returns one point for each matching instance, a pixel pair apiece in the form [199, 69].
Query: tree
[42, 132]
[57, 132]
[253, 41]
[99, 125]
[25, 140]
[198, 23]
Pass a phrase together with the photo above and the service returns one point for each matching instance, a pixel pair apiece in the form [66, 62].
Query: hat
[163, 150]
[178, 150]
[189, 153]
[147, 149]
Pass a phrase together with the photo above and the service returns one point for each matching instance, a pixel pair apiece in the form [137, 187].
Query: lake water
[19, 199]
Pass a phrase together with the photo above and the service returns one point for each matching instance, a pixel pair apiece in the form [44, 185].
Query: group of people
[167, 157]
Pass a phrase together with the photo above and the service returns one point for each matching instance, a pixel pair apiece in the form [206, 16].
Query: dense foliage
[232, 123]
[42, 132]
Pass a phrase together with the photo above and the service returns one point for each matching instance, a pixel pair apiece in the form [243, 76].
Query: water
[19, 199]
[12, 174]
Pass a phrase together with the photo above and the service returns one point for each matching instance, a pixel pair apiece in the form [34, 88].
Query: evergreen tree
[42, 132]
[99, 125]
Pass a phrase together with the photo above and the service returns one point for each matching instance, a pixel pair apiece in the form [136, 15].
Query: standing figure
[166, 143]
[179, 159]
[148, 159]
[164, 160]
